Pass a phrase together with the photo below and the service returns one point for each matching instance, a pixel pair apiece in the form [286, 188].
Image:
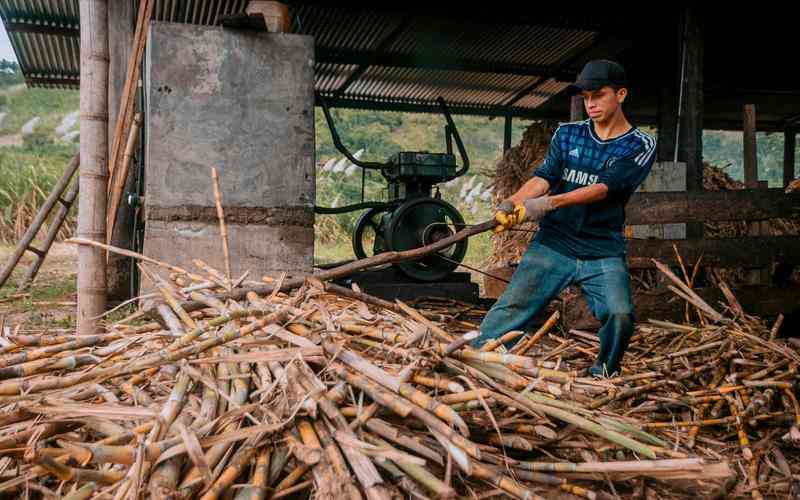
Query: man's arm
[535, 187]
[580, 196]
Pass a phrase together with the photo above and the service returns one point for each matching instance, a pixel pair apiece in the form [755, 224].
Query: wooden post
[755, 228]
[576, 108]
[94, 163]
[691, 127]
[667, 121]
[507, 134]
[749, 140]
[789, 145]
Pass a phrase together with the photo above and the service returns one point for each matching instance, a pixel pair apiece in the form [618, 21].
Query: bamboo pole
[120, 177]
[223, 230]
[131, 80]
[94, 163]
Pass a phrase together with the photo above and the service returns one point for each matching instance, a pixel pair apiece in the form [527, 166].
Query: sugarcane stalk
[436, 382]
[377, 393]
[46, 352]
[363, 468]
[82, 493]
[449, 399]
[504, 483]
[494, 357]
[234, 470]
[194, 479]
[223, 230]
[170, 355]
[66, 473]
[390, 433]
[291, 479]
[419, 474]
[622, 466]
[43, 431]
[345, 486]
[294, 489]
[707, 422]
[258, 488]
[522, 349]
[502, 340]
[48, 365]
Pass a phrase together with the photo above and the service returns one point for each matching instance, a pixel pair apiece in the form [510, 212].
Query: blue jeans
[542, 274]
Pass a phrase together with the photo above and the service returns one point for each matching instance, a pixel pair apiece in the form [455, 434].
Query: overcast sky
[6, 52]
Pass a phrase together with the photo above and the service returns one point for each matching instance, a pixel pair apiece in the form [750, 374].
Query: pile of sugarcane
[327, 392]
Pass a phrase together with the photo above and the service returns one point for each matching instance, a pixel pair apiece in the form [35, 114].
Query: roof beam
[433, 108]
[606, 48]
[26, 22]
[58, 81]
[375, 58]
[386, 42]
[15, 27]
[508, 13]
[594, 50]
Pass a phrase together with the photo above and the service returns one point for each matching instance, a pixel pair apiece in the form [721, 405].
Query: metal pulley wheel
[368, 234]
[420, 222]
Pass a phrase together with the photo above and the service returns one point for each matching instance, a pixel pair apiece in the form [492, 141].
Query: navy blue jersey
[578, 158]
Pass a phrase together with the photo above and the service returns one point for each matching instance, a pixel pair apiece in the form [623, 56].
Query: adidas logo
[575, 152]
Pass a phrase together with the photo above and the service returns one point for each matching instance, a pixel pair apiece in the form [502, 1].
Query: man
[578, 195]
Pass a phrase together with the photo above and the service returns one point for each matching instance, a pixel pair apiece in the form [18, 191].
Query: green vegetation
[29, 168]
[28, 171]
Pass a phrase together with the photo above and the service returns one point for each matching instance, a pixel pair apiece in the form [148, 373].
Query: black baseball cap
[597, 74]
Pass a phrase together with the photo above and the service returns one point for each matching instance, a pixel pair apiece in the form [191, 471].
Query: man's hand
[536, 208]
[508, 215]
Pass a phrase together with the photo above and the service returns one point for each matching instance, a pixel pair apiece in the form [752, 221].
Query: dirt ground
[47, 304]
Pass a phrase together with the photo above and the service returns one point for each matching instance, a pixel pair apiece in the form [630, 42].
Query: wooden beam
[385, 43]
[44, 29]
[789, 146]
[604, 47]
[750, 153]
[690, 139]
[507, 133]
[333, 55]
[667, 121]
[763, 301]
[748, 252]
[708, 206]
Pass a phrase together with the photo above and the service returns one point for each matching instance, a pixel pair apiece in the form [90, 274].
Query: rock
[29, 127]
[68, 123]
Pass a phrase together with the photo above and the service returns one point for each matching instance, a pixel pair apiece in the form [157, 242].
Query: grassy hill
[30, 163]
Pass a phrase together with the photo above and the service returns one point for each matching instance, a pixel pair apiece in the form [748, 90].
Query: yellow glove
[508, 215]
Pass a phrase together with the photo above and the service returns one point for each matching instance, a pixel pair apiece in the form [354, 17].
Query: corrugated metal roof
[365, 57]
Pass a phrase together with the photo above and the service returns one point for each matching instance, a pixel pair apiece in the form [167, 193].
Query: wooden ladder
[26, 243]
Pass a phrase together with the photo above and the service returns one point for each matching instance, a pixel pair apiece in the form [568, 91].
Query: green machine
[414, 213]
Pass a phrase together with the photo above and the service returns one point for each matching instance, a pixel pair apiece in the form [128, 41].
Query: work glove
[531, 210]
[508, 215]
[536, 208]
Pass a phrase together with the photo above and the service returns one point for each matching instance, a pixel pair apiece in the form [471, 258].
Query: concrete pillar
[240, 101]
